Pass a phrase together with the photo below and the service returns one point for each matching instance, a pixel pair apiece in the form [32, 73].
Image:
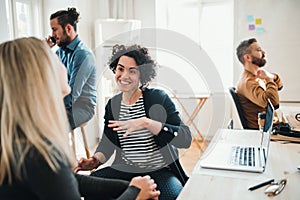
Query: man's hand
[50, 41]
[264, 74]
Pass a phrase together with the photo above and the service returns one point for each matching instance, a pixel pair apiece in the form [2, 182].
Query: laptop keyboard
[243, 156]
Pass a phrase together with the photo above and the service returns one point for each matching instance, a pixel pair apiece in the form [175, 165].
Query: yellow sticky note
[258, 21]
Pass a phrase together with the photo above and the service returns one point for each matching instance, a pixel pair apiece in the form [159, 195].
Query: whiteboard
[278, 35]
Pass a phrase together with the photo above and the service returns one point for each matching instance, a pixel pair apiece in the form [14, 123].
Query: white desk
[211, 184]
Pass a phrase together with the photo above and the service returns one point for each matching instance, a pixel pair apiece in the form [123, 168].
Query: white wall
[145, 10]
[4, 33]
[280, 39]
[86, 22]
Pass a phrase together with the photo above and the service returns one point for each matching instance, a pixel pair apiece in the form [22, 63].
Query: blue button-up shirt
[82, 73]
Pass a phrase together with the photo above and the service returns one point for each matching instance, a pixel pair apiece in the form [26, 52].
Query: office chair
[238, 107]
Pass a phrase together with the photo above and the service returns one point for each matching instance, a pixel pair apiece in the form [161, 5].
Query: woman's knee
[169, 185]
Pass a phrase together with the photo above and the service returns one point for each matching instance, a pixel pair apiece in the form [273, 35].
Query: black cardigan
[174, 133]
[41, 182]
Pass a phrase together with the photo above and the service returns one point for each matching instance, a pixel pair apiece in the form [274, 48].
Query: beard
[260, 62]
[64, 40]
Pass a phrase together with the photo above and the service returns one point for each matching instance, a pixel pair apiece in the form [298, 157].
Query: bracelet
[98, 161]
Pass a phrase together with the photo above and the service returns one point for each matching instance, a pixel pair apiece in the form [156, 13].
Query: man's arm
[80, 76]
[258, 95]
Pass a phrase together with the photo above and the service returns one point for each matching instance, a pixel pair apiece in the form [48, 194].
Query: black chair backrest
[238, 107]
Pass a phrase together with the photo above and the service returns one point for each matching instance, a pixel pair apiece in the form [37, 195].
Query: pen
[260, 185]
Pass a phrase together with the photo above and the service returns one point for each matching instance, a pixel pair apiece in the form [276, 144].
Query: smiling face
[127, 75]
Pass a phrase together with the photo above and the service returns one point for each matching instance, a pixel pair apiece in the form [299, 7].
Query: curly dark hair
[65, 17]
[146, 65]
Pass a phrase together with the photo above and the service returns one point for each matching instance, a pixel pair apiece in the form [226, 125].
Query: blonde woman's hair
[32, 113]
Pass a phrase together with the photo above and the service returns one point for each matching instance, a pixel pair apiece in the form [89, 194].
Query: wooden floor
[189, 157]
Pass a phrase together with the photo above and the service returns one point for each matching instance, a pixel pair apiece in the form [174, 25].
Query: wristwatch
[297, 117]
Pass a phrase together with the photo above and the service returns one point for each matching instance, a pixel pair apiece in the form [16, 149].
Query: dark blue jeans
[167, 183]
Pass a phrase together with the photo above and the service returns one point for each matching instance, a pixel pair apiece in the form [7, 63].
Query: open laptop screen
[269, 117]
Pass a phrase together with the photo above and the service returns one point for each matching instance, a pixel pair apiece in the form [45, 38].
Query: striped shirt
[139, 147]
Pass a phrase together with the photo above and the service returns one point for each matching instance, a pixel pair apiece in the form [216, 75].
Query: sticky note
[260, 30]
[250, 18]
[258, 21]
[251, 27]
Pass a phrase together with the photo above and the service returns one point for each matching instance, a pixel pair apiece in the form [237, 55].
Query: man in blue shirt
[80, 63]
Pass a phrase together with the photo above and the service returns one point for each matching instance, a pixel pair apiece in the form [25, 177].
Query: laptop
[240, 150]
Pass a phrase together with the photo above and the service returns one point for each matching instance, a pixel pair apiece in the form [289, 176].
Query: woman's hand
[87, 164]
[147, 187]
[129, 126]
[136, 124]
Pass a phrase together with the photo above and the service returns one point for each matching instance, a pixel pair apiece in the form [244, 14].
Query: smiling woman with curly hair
[142, 125]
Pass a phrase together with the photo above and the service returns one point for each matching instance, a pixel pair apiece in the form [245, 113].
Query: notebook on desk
[241, 150]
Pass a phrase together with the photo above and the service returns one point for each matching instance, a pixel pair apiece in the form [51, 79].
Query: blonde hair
[31, 107]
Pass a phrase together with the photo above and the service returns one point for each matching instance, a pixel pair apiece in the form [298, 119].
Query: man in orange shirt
[256, 84]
